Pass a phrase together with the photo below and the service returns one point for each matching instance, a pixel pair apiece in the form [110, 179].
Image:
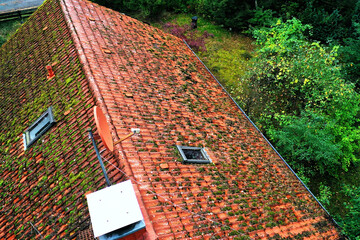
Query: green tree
[230, 13]
[2, 40]
[351, 222]
[152, 9]
[297, 96]
[308, 143]
[141, 8]
[350, 51]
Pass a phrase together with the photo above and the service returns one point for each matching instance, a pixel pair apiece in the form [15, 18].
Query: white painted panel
[113, 207]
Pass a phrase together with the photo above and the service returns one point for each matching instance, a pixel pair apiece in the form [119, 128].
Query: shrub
[296, 95]
[230, 13]
[144, 9]
[351, 222]
[262, 18]
[308, 144]
[350, 51]
[324, 195]
[2, 40]
[326, 27]
[193, 37]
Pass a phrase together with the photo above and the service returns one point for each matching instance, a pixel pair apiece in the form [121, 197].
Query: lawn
[8, 28]
[227, 54]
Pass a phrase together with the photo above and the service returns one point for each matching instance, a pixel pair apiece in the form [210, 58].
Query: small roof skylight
[193, 154]
[38, 128]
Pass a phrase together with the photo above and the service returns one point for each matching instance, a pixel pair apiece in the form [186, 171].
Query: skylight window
[38, 128]
[193, 154]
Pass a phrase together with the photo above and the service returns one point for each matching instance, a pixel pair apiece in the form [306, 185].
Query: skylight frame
[44, 127]
[204, 154]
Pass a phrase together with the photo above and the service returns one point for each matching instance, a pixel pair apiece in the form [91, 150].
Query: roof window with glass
[193, 154]
[39, 128]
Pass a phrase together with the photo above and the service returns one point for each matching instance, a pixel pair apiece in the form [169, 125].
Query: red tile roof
[141, 78]
[42, 190]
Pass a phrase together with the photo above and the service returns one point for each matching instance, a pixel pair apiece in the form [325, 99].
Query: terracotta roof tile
[156, 89]
[141, 78]
[42, 192]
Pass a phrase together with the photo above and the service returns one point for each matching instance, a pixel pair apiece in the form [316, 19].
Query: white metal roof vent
[115, 212]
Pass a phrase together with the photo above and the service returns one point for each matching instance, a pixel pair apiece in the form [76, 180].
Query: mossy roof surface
[42, 189]
[151, 80]
[144, 78]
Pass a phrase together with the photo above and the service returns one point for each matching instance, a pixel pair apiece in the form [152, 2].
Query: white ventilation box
[115, 212]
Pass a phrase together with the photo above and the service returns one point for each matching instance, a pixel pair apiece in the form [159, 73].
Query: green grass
[7, 29]
[203, 24]
[227, 54]
[228, 58]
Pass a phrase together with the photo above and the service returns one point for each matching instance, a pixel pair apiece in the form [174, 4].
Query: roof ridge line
[99, 98]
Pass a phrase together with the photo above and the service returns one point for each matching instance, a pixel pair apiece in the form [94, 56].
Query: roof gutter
[264, 137]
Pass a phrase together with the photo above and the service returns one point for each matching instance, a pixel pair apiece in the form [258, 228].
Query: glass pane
[193, 154]
[39, 127]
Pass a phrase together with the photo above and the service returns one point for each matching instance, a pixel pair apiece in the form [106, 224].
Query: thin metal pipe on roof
[263, 135]
[91, 136]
